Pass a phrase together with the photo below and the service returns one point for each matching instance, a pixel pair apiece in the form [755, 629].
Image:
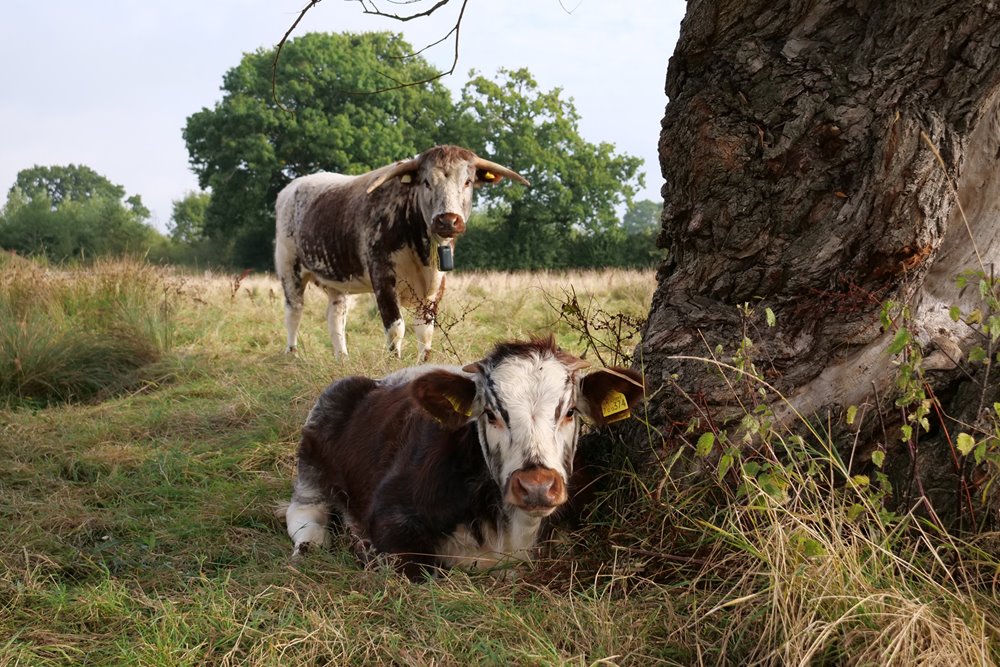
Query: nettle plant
[753, 453]
[983, 443]
[976, 443]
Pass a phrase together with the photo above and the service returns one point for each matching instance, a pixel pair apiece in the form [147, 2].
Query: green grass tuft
[71, 336]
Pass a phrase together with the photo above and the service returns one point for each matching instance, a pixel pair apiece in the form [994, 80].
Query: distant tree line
[70, 212]
[323, 115]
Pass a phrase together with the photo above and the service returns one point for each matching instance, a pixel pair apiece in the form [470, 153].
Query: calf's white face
[526, 400]
[528, 429]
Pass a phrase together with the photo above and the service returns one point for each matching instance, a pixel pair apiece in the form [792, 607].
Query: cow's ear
[405, 171]
[609, 394]
[485, 176]
[448, 397]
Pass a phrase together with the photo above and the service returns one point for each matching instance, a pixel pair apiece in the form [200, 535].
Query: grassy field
[137, 521]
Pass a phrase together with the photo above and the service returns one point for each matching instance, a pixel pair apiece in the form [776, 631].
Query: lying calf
[445, 466]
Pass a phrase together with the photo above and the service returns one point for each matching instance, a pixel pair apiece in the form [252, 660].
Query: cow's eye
[468, 182]
[570, 414]
[427, 184]
[490, 416]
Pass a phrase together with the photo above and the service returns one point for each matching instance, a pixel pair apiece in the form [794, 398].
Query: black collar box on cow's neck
[446, 261]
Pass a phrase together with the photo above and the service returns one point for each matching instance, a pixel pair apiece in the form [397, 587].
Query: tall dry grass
[72, 334]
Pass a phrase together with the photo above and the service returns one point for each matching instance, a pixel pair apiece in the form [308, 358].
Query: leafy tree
[576, 188]
[250, 145]
[73, 183]
[187, 221]
[66, 211]
[643, 217]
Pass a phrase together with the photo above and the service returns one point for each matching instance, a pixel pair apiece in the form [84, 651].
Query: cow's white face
[443, 178]
[443, 189]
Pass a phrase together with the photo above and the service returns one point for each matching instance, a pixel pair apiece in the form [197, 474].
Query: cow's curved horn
[395, 170]
[500, 170]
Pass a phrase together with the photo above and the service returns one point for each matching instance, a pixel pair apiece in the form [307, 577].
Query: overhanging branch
[368, 7]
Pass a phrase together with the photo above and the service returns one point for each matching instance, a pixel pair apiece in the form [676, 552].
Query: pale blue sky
[110, 83]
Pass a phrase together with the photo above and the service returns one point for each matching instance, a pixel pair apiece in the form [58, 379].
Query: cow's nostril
[449, 219]
[536, 488]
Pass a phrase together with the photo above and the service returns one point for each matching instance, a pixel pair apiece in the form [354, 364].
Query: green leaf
[994, 327]
[980, 452]
[907, 432]
[955, 313]
[852, 412]
[861, 480]
[977, 354]
[705, 443]
[901, 340]
[769, 315]
[725, 463]
[810, 547]
[975, 317]
[878, 458]
[965, 443]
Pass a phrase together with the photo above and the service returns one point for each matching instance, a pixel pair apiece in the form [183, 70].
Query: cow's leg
[401, 537]
[384, 286]
[307, 516]
[336, 320]
[294, 288]
[424, 332]
[423, 326]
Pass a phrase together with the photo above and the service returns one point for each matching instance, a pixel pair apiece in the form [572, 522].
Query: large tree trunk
[800, 151]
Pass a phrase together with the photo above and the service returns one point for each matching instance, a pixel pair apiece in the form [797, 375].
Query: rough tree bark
[798, 179]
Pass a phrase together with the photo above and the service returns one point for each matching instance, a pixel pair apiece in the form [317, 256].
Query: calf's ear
[609, 394]
[446, 396]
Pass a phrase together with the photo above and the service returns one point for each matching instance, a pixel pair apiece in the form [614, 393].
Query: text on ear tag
[613, 404]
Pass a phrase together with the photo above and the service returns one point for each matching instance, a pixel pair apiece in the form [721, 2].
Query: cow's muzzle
[448, 225]
[538, 491]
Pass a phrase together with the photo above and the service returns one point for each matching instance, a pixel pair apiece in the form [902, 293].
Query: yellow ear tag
[615, 407]
[489, 176]
[457, 404]
[406, 178]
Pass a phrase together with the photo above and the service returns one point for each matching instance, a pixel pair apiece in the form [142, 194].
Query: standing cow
[378, 232]
[442, 466]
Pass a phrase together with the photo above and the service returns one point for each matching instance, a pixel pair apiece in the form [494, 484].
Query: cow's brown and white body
[377, 232]
[445, 466]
